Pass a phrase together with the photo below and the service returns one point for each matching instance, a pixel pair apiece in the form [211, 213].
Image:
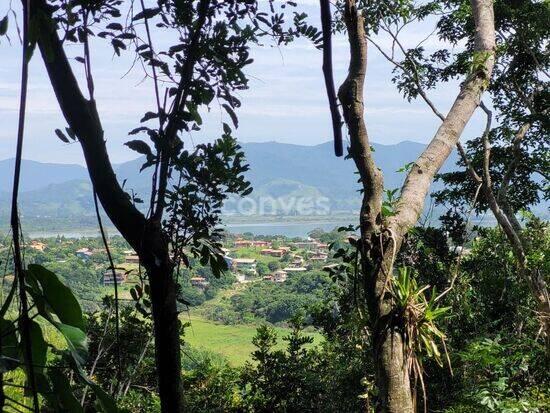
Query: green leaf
[114, 26]
[38, 346]
[139, 147]
[9, 359]
[61, 135]
[231, 114]
[8, 364]
[76, 340]
[8, 299]
[58, 296]
[147, 14]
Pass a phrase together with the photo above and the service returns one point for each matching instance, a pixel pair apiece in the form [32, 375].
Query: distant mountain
[37, 175]
[277, 170]
[317, 167]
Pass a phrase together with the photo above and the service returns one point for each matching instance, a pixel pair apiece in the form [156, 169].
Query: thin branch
[179, 102]
[487, 145]
[113, 271]
[471, 170]
[416, 74]
[99, 353]
[329, 77]
[516, 151]
[455, 275]
[19, 272]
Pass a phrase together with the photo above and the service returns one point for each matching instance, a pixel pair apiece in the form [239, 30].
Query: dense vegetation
[390, 314]
[497, 363]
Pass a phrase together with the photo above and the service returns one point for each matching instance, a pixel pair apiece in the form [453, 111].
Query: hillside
[284, 172]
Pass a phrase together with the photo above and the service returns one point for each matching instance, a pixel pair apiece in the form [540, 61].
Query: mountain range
[61, 192]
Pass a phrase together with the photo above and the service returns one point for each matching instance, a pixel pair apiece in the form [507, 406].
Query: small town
[249, 260]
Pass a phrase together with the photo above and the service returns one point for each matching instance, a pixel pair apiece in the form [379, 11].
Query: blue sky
[286, 101]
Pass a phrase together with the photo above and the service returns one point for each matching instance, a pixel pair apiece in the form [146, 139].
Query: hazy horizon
[248, 142]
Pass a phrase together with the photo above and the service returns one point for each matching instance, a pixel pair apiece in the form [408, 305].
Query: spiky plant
[422, 336]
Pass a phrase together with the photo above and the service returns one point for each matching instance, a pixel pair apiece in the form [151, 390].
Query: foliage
[420, 315]
[500, 375]
[519, 97]
[276, 302]
[57, 308]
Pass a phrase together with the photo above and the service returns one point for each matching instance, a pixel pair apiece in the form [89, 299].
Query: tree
[509, 163]
[188, 186]
[383, 226]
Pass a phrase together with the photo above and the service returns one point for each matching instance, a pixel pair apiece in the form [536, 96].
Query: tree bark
[392, 376]
[381, 239]
[167, 338]
[145, 236]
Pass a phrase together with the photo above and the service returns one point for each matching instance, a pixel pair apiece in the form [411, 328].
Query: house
[297, 261]
[108, 278]
[37, 245]
[319, 256]
[244, 264]
[131, 259]
[241, 278]
[322, 247]
[261, 244]
[199, 282]
[460, 250]
[273, 252]
[84, 253]
[242, 243]
[294, 269]
[305, 245]
[279, 276]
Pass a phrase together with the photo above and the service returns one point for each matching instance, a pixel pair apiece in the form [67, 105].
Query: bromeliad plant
[419, 316]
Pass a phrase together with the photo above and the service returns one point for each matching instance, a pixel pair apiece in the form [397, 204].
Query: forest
[433, 297]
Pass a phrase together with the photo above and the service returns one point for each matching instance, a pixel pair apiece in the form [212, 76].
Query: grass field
[234, 342]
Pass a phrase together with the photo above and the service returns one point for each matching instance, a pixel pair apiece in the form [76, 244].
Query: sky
[286, 101]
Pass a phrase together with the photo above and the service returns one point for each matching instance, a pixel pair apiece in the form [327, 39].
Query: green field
[234, 342]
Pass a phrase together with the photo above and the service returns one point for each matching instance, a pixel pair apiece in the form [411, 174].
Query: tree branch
[82, 117]
[329, 77]
[421, 175]
[351, 97]
[179, 102]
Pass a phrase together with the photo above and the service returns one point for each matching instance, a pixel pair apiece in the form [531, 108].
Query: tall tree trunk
[145, 236]
[381, 238]
[392, 373]
[392, 376]
[167, 339]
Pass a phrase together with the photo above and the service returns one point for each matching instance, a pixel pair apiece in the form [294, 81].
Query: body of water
[287, 229]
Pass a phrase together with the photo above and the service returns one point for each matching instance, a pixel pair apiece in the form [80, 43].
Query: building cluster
[294, 256]
[245, 269]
